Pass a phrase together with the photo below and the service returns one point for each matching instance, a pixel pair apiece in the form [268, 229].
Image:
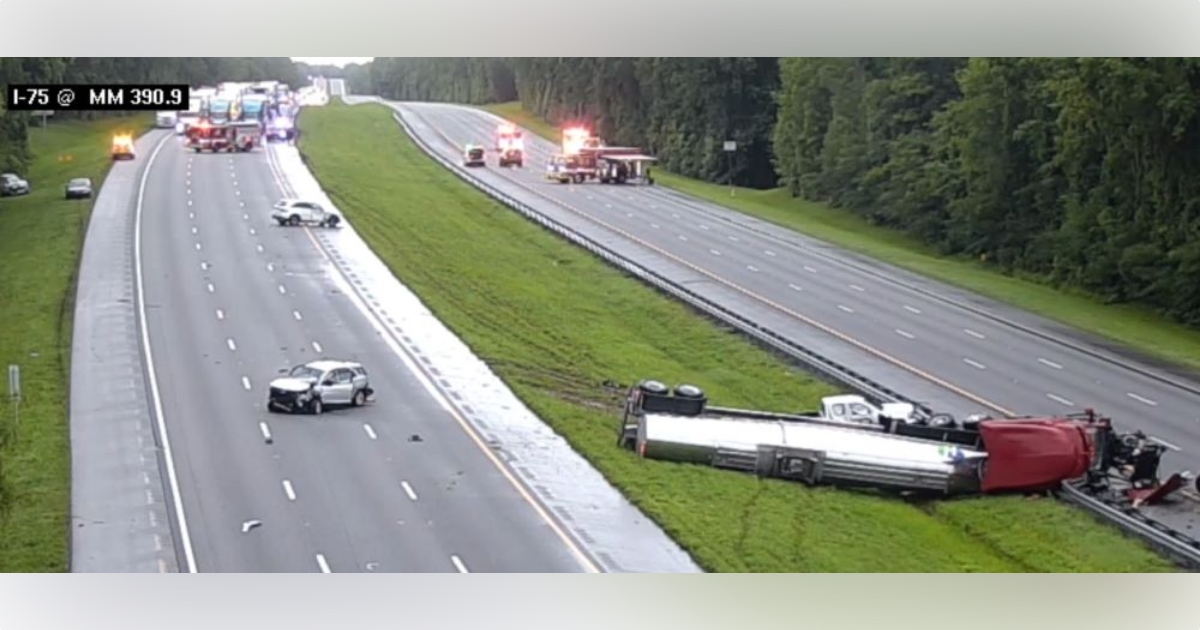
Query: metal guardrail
[831, 369]
[1176, 545]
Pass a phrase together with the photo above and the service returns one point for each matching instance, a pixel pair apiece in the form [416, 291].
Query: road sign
[14, 381]
[730, 145]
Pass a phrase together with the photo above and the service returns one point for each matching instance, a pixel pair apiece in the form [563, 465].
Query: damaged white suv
[313, 386]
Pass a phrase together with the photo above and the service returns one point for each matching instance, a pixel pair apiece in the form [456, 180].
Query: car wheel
[316, 407]
[294, 220]
[332, 222]
[360, 398]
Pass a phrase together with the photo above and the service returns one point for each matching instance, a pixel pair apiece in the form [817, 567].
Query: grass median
[555, 323]
[1145, 332]
[41, 239]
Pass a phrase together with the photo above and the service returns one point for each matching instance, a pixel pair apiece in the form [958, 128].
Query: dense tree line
[14, 147]
[355, 74]
[1079, 171]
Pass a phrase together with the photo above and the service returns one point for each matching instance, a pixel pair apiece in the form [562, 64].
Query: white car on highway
[312, 386]
[299, 212]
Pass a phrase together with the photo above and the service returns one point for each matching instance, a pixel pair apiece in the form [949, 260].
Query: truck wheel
[294, 220]
[360, 398]
[316, 407]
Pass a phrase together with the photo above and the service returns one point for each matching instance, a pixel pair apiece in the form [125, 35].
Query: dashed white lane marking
[1059, 399]
[246, 217]
[703, 226]
[629, 214]
[975, 364]
[282, 289]
[370, 432]
[1166, 444]
[845, 308]
[246, 382]
[674, 215]
[238, 192]
[906, 335]
[203, 266]
[252, 232]
[1142, 399]
[270, 266]
[654, 225]
[752, 268]
[266, 431]
[324, 566]
[809, 269]
[259, 248]
[458, 564]
[408, 490]
[795, 287]
[191, 215]
[211, 288]
[714, 252]
[232, 346]
[197, 246]
[317, 347]
[189, 202]
[912, 309]
[220, 314]
[189, 191]
[683, 238]
[195, 230]
[1049, 363]
[608, 205]
[974, 334]
[769, 253]
[287, 488]
[855, 287]
[733, 238]
[296, 314]
[188, 183]
[242, 204]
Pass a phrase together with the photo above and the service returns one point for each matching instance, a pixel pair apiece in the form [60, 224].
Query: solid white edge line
[458, 564]
[324, 566]
[408, 490]
[1049, 363]
[438, 395]
[185, 537]
[1142, 399]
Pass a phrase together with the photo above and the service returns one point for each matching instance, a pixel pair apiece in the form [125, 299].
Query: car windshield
[79, 182]
[303, 371]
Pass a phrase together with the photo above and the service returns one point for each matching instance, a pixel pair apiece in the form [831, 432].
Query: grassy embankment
[1144, 332]
[41, 238]
[555, 323]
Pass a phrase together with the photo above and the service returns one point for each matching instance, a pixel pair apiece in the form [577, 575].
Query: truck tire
[294, 220]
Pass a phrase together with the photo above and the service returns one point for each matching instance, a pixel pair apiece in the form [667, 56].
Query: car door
[342, 388]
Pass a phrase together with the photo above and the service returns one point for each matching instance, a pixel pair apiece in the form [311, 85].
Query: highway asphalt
[233, 299]
[911, 333]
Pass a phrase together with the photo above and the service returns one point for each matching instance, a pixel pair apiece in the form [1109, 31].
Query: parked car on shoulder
[313, 386]
[79, 188]
[11, 185]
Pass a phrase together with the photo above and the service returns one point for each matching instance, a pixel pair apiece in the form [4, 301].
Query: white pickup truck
[296, 212]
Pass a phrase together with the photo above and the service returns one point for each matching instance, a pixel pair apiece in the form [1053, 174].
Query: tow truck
[122, 147]
[594, 159]
[1081, 458]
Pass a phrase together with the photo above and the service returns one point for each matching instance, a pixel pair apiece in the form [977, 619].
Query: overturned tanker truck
[852, 443]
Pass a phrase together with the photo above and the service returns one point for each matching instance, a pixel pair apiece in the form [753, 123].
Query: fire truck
[511, 146]
[209, 136]
[586, 156]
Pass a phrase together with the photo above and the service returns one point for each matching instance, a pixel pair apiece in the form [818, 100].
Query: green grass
[1136, 328]
[41, 237]
[555, 323]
